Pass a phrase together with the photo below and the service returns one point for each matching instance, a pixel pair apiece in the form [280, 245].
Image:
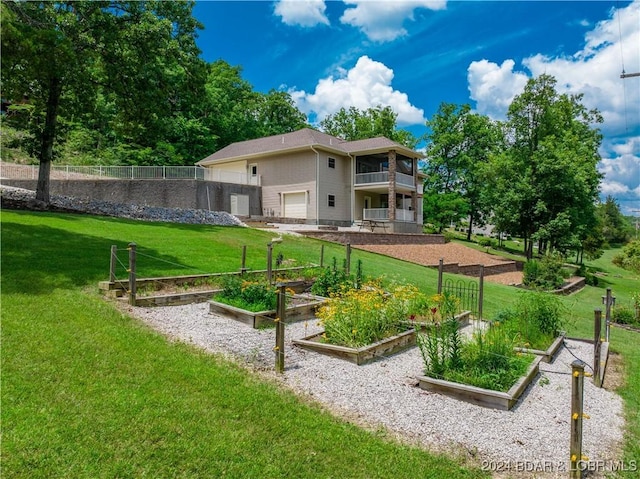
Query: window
[331, 201]
[331, 163]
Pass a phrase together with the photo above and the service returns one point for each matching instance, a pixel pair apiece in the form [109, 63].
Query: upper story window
[331, 200]
[331, 162]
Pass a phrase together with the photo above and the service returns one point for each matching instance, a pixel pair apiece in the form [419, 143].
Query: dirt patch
[451, 253]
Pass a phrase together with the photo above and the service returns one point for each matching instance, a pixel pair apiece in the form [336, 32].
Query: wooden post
[480, 291]
[348, 266]
[281, 313]
[577, 394]
[597, 345]
[269, 262]
[321, 256]
[243, 267]
[440, 270]
[132, 274]
[112, 263]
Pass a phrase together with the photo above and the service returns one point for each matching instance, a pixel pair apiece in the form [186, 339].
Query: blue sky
[413, 55]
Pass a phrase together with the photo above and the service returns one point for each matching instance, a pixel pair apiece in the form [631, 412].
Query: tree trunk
[470, 229]
[48, 138]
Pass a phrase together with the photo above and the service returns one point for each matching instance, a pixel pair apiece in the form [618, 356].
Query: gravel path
[384, 394]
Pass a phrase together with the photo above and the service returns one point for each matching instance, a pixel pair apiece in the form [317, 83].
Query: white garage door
[295, 205]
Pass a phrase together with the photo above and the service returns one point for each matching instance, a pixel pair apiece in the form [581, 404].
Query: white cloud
[366, 85]
[493, 86]
[621, 166]
[593, 71]
[382, 21]
[304, 13]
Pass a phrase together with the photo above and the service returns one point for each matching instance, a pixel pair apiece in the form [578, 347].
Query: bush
[542, 311]
[248, 295]
[490, 242]
[624, 315]
[546, 274]
[629, 258]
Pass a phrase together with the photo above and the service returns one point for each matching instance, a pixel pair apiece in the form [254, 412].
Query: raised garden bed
[548, 354]
[364, 354]
[462, 318]
[302, 307]
[483, 397]
[175, 299]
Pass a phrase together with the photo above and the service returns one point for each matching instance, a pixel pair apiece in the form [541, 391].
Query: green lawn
[88, 392]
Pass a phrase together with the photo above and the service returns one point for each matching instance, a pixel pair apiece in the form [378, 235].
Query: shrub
[624, 315]
[629, 258]
[546, 274]
[248, 295]
[490, 242]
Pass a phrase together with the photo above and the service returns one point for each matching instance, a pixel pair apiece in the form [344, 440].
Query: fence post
[112, 263]
[440, 269]
[348, 269]
[269, 261]
[321, 255]
[243, 268]
[577, 393]
[281, 313]
[609, 301]
[597, 346]
[132, 274]
[481, 292]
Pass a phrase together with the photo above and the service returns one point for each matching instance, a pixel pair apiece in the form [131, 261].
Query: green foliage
[487, 361]
[357, 318]
[588, 274]
[540, 311]
[629, 257]
[546, 274]
[354, 124]
[247, 295]
[333, 280]
[625, 315]
[614, 227]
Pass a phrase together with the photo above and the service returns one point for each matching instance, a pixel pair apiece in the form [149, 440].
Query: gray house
[315, 178]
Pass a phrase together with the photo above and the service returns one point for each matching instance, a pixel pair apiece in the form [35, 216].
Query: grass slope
[88, 392]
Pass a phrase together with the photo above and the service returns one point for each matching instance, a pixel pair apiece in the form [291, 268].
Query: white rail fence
[69, 172]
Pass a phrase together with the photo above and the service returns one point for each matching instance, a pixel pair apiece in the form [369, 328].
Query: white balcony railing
[379, 214]
[383, 177]
[378, 177]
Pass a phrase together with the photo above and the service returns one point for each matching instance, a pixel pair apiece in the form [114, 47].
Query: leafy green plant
[248, 295]
[358, 317]
[624, 315]
[546, 274]
[629, 257]
[332, 280]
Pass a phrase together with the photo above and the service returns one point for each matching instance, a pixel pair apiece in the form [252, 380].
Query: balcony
[383, 177]
[380, 214]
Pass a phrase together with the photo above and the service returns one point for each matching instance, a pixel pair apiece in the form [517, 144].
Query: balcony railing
[383, 177]
[378, 214]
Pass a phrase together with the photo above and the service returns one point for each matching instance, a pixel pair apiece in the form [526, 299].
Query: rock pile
[18, 198]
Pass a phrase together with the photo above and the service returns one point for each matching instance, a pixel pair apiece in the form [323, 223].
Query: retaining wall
[188, 194]
[357, 238]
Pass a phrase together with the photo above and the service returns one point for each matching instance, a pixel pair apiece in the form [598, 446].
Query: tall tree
[615, 228]
[59, 55]
[546, 184]
[355, 124]
[459, 145]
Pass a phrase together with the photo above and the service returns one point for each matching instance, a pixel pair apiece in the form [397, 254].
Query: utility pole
[629, 75]
[637, 224]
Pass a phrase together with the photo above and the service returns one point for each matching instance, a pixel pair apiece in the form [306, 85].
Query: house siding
[337, 182]
[293, 172]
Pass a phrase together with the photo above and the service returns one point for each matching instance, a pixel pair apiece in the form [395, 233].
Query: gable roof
[304, 139]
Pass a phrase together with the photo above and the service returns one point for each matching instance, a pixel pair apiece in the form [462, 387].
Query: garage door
[295, 205]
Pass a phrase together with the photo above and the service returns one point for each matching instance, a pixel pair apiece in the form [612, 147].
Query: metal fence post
[481, 292]
[132, 274]
[112, 263]
[597, 346]
[348, 253]
[440, 270]
[321, 256]
[243, 268]
[577, 394]
[269, 262]
[280, 321]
